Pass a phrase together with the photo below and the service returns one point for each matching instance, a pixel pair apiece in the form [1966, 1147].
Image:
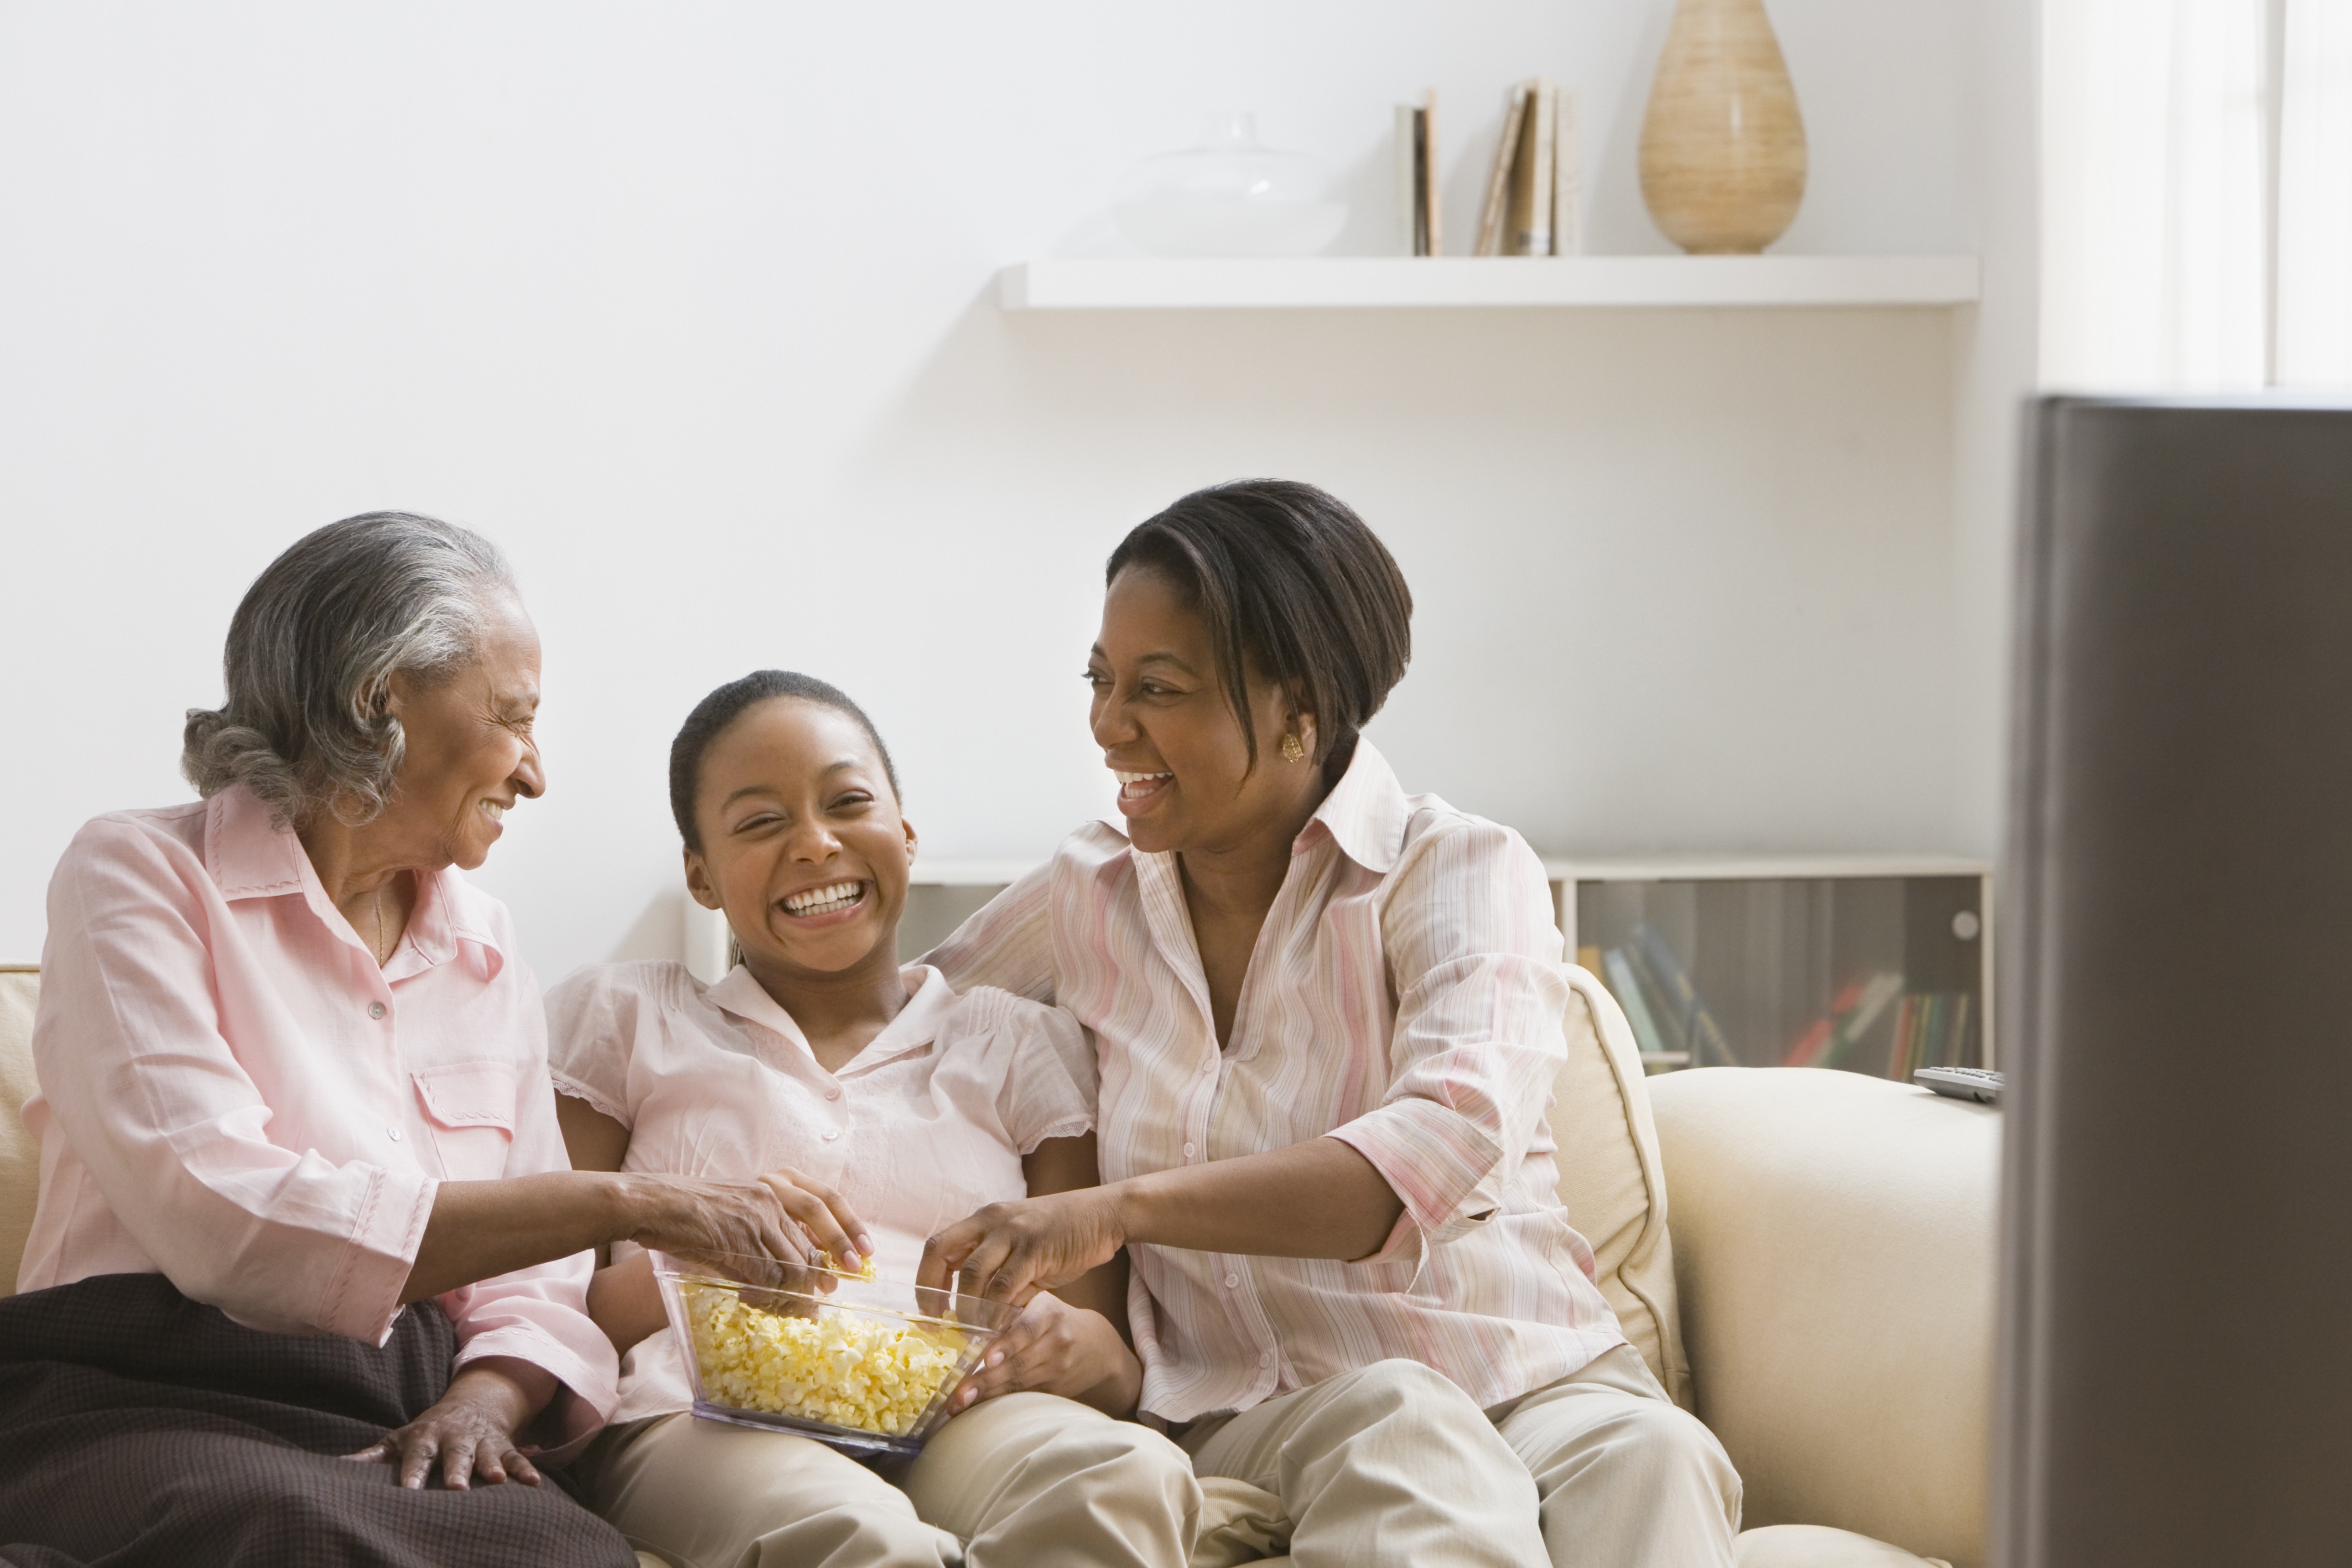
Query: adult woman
[918, 1104]
[1329, 1016]
[301, 1177]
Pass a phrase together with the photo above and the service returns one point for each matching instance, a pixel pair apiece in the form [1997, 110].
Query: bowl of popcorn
[861, 1362]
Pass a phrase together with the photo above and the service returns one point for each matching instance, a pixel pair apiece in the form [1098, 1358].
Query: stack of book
[1931, 1031]
[1672, 1027]
[1535, 195]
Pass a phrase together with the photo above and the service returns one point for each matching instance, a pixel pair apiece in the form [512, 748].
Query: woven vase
[1723, 147]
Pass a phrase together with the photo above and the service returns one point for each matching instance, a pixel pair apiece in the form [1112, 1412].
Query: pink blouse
[926, 1124]
[1406, 997]
[234, 1095]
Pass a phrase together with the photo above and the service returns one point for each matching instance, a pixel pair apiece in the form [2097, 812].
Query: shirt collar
[1366, 814]
[928, 1000]
[250, 857]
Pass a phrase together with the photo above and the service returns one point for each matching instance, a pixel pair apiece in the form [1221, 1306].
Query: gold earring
[1291, 751]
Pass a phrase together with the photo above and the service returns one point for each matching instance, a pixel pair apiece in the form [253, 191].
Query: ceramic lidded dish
[866, 1366]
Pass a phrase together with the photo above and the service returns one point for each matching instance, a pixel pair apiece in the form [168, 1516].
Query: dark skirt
[138, 1427]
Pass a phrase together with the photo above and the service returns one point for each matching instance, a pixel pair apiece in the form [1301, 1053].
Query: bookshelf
[1768, 947]
[1404, 282]
[1874, 964]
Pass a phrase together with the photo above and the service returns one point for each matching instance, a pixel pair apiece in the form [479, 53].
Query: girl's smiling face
[802, 845]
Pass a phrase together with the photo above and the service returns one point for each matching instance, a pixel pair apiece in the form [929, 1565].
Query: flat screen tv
[2177, 971]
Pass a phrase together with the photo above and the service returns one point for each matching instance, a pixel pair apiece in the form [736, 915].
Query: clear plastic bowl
[867, 1366]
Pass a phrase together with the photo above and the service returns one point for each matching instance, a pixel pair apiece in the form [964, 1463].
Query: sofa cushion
[1835, 1245]
[1612, 1181]
[20, 1157]
[1817, 1546]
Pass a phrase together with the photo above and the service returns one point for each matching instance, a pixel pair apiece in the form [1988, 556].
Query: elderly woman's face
[1167, 730]
[470, 754]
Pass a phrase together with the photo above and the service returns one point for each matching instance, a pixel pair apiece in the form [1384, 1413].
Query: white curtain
[2196, 194]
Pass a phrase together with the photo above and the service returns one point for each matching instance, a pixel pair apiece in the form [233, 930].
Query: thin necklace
[381, 954]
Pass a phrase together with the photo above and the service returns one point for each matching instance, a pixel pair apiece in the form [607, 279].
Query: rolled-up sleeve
[173, 1129]
[1474, 957]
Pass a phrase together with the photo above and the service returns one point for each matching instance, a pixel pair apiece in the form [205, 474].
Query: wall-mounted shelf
[1399, 282]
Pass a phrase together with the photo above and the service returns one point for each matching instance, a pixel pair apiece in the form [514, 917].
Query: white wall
[690, 307]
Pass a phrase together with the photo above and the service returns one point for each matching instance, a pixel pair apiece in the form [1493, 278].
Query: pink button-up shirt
[234, 1095]
[926, 1124]
[1406, 997]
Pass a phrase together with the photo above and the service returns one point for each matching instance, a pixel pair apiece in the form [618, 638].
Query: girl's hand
[1009, 1252]
[471, 1429]
[1055, 1348]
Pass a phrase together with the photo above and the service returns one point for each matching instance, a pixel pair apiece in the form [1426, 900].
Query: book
[1498, 183]
[1628, 993]
[1857, 1006]
[1567, 179]
[1408, 218]
[1528, 228]
[1700, 1033]
[1432, 208]
[1416, 177]
[1673, 1035]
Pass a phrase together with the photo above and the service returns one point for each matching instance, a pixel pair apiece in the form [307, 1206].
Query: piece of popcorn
[838, 1367]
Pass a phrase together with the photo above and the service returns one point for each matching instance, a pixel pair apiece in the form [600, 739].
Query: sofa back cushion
[20, 1157]
[1612, 1179]
[1835, 1241]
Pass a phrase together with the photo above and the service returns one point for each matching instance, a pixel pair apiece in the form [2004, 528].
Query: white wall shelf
[1401, 282]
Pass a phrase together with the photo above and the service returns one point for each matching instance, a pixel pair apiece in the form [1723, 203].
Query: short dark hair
[723, 707]
[1294, 586]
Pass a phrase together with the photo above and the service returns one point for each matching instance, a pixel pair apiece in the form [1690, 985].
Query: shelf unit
[1402, 282]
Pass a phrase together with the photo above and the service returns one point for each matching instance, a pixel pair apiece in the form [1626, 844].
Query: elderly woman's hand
[1009, 1252]
[1055, 1348]
[470, 1429]
[795, 1221]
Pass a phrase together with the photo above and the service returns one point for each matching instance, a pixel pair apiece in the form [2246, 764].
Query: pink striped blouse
[1406, 997]
[234, 1095]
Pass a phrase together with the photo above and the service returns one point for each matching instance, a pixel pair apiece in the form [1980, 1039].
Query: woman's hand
[783, 1216]
[1055, 1348]
[1009, 1252]
[470, 1430]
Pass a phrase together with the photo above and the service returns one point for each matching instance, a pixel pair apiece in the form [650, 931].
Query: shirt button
[375, 1009]
[394, 1133]
[833, 1093]
[1265, 1358]
[1188, 1151]
[1209, 1067]
[1233, 1281]
[831, 1133]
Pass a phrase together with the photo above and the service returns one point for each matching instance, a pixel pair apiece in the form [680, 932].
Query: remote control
[1981, 1084]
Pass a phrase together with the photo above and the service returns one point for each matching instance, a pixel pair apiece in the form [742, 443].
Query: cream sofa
[1823, 1298]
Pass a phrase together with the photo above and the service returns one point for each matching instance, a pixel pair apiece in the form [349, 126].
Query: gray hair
[313, 648]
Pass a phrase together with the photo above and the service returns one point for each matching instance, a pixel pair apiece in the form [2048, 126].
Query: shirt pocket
[470, 1106]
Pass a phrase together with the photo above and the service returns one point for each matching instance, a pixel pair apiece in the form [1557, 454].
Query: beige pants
[1392, 1464]
[1027, 1480]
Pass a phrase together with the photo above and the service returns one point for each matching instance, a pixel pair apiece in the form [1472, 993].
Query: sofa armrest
[1834, 1255]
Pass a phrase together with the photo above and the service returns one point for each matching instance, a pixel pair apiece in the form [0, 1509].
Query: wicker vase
[1723, 147]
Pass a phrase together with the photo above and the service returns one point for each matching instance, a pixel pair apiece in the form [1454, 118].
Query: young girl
[903, 1108]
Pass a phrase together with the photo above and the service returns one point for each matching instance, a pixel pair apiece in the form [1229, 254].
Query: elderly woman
[1327, 1014]
[307, 1238]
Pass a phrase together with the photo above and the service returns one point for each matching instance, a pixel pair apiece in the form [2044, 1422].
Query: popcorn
[839, 1367]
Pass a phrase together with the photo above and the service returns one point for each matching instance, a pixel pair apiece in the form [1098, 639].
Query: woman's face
[802, 845]
[470, 754]
[1167, 730]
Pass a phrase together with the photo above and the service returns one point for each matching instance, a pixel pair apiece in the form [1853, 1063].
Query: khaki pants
[1392, 1463]
[1024, 1479]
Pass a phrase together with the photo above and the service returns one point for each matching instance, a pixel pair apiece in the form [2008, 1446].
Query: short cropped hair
[723, 707]
[1294, 588]
[311, 651]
